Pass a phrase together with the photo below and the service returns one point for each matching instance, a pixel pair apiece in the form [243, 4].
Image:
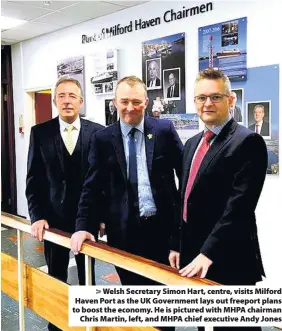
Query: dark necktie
[132, 177]
[201, 152]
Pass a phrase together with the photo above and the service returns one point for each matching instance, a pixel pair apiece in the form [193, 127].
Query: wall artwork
[73, 67]
[163, 71]
[237, 107]
[260, 108]
[111, 113]
[105, 74]
[186, 125]
[224, 46]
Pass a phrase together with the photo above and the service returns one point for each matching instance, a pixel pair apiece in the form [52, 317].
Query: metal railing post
[20, 280]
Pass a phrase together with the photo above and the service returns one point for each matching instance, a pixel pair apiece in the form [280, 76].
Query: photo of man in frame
[259, 118]
[171, 78]
[153, 72]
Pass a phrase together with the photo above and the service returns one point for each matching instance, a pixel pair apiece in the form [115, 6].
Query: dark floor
[33, 254]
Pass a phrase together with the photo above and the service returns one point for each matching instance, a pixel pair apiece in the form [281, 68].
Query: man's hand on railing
[174, 259]
[198, 267]
[37, 229]
[78, 238]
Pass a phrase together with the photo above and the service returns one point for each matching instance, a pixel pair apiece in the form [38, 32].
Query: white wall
[34, 66]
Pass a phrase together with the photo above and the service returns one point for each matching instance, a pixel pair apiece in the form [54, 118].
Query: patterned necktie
[171, 91]
[69, 141]
[202, 150]
[132, 177]
[257, 128]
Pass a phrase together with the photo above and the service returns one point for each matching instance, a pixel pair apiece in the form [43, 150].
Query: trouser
[146, 241]
[57, 259]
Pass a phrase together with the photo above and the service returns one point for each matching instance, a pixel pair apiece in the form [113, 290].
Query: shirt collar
[216, 130]
[64, 124]
[125, 128]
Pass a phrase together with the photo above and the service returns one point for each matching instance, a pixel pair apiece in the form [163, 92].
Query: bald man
[153, 73]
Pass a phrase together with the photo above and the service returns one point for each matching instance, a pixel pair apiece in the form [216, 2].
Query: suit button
[189, 203]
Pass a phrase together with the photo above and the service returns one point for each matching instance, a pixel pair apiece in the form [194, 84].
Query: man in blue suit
[57, 165]
[133, 163]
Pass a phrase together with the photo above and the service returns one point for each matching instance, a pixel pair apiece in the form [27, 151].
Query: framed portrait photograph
[236, 108]
[171, 86]
[153, 73]
[259, 117]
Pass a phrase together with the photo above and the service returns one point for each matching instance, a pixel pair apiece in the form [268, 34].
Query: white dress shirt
[74, 132]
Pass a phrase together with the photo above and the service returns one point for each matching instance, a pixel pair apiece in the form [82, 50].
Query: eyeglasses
[214, 98]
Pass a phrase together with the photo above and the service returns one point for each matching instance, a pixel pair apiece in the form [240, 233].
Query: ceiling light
[9, 22]
[47, 3]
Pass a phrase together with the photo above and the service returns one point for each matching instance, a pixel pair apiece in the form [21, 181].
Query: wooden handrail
[42, 292]
[148, 268]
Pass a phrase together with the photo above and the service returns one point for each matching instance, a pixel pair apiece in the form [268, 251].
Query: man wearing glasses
[224, 169]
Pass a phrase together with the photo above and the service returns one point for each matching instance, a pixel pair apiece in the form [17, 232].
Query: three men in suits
[173, 90]
[260, 126]
[57, 165]
[224, 170]
[133, 162]
[235, 111]
[153, 73]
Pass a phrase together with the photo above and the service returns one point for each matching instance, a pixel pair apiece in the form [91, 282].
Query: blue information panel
[223, 46]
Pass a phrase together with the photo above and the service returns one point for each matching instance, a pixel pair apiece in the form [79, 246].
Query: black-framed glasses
[214, 98]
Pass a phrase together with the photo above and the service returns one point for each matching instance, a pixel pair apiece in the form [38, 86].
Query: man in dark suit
[224, 170]
[260, 126]
[133, 162]
[235, 111]
[57, 165]
[153, 73]
[173, 90]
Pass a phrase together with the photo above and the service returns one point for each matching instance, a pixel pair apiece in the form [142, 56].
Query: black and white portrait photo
[171, 79]
[153, 73]
[110, 112]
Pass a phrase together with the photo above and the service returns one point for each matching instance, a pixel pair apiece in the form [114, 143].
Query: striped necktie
[69, 140]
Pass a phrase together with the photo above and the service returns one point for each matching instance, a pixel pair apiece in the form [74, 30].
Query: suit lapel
[222, 139]
[119, 149]
[58, 142]
[150, 137]
[84, 136]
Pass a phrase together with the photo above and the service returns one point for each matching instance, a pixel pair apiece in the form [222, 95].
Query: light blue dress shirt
[147, 206]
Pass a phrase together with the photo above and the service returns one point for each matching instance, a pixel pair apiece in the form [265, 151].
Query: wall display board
[111, 113]
[224, 46]
[105, 74]
[260, 106]
[163, 71]
[186, 125]
[73, 67]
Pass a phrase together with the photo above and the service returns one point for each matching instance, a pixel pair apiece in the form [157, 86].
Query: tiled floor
[33, 255]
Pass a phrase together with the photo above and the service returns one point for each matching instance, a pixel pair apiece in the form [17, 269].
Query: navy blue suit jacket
[221, 222]
[108, 174]
[45, 181]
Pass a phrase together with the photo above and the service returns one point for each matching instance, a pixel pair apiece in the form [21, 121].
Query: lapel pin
[150, 136]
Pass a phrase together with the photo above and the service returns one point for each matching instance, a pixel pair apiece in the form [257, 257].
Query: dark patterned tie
[133, 178]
